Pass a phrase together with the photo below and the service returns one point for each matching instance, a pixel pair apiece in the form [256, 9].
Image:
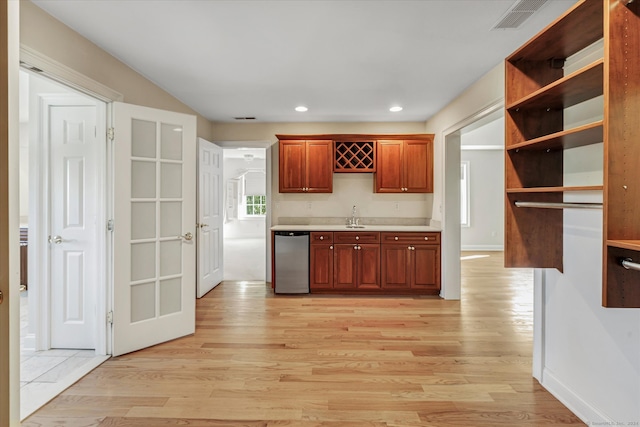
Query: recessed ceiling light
[395, 109]
[301, 109]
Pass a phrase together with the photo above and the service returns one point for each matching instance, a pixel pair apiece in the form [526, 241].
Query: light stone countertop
[390, 227]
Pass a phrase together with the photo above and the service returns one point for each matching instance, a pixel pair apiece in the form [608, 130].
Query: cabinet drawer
[321, 237]
[415, 238]
[356, 237]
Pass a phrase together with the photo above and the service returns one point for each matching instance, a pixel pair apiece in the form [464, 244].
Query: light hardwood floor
[260, 360]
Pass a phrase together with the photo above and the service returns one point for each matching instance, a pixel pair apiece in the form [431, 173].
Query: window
[255, 205]
[465, 204]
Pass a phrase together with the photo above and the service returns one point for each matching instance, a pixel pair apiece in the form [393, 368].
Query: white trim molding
[42, 64]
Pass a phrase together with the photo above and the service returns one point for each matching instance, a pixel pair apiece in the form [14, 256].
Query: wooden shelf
[577, 87]
[633, 245]
[589, 134]
[576, 29]
[553, 189]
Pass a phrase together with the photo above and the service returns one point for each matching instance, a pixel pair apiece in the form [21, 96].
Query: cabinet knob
[409, 247]
[321, 237]
[331, 247]
[395, 238]
[357, 237]
[355, 247]
[426, 238]
[359, 247]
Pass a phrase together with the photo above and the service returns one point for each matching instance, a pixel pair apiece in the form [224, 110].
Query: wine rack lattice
[355, 156]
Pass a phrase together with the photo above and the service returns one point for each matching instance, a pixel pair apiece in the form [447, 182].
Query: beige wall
[487, 91]
[348, 188]
[48, 36]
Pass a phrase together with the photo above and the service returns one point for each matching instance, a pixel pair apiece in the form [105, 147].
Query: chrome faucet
[354, 220]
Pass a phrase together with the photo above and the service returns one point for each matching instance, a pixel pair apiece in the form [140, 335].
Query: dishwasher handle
[291, 233]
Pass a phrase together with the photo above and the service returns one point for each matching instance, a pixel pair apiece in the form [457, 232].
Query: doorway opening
[62, 203]
[455, 138]
[245, 213]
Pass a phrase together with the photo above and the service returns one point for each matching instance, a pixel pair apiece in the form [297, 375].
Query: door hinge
[110, 317]
[110, 225]
[111, 134]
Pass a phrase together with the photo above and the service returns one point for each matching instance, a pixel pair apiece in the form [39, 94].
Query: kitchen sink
[354, 226]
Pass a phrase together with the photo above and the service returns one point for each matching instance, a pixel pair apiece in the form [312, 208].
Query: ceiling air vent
[518, 13]
[244, 118]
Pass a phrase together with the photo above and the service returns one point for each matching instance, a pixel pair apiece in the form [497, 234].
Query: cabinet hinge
[111, 134]
[110, 317]
[110, 225]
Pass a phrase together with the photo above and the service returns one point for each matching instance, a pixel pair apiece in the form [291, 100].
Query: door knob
[203, 225]
[187, 236]
[55, 239]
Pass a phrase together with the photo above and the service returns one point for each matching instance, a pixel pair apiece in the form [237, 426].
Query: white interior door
[154, 217]
[73, 279]
[210, 216]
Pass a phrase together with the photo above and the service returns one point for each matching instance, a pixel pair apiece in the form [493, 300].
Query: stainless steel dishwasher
[291, 262]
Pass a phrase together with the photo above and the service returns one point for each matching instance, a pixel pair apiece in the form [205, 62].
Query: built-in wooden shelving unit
[538, 92]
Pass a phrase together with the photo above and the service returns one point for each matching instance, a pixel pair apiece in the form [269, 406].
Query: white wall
[486, 174]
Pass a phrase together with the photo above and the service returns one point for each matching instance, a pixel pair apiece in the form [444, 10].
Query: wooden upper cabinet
[404, 166]
[292, 166]
[319, 168]
[306, 166]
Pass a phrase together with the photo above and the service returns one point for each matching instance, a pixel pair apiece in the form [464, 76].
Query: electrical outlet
[309, 205]
[397, 206]
[494, 233]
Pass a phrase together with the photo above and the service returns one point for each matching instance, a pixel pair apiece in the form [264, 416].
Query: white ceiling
[346, 60]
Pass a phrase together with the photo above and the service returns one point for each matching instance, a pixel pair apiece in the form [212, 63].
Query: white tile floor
[45, 374]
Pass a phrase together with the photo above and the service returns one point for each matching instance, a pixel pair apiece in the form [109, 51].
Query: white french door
[154, 216]
[210, 217]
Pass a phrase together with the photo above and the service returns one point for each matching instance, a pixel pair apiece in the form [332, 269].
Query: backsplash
[342, 221]
[351, 189]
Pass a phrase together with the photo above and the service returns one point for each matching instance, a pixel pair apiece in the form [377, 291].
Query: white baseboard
[582, 409]
[482, 248]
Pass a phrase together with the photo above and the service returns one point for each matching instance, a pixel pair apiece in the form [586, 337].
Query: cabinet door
[368, 276]
[345, 258]
[389, 157]
[292, 166]
[321, 267]
[319, 166]
[425, 268]
[418, 166]
[394, 265]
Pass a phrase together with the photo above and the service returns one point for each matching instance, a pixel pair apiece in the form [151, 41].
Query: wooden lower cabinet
[357, 266]
[321, 261]
[388, 263]
[411, 261]
[395, 262]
